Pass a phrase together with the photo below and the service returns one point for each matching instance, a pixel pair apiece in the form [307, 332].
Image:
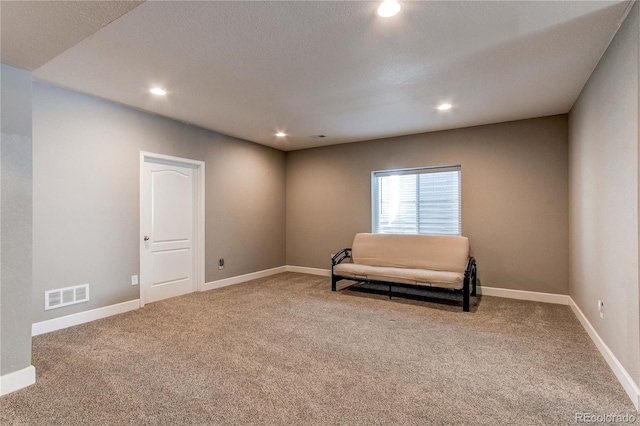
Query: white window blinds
[417, 201]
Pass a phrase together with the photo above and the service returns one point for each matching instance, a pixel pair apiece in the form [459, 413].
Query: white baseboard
[82, 317]
[242, 278]
[265, 273]
[533, 296]
[621, 374]
[310, 271]
[17, 380]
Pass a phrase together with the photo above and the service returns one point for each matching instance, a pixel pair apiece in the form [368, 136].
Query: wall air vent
[66, 296]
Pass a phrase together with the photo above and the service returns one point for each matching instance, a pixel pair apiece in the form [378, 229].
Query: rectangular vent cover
[66, 296]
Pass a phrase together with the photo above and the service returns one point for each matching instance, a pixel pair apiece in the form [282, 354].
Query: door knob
[146, 238]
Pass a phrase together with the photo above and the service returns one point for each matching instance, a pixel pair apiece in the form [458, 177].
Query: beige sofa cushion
[423, 277]
[430, 252]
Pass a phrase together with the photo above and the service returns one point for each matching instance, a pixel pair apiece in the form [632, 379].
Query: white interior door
[168, 228]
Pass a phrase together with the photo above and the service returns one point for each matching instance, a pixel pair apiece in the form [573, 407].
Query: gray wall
[86, 155]
[603, 139]
[15, 220]
[514, 197]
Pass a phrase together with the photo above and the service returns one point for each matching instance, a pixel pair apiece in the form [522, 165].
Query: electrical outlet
[601, 308]
[134, 280]
[221, 264]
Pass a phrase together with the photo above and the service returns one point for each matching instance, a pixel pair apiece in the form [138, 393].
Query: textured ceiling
[34, 32]
[249, 69]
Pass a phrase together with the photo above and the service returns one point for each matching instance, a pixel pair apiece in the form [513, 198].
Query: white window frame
[412, 171]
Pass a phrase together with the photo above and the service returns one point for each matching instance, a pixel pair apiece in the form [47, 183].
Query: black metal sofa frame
[468, 288]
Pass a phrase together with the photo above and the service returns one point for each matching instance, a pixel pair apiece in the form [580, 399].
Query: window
[417, 201]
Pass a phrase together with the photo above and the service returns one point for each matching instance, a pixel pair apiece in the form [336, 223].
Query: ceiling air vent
[317, 136]
[66, 296]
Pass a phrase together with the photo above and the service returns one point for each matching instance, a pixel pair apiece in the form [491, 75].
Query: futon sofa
[435, 261]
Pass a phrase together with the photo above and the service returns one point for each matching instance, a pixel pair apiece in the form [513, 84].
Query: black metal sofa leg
[333, 282]
[475, 285]
[465, 295]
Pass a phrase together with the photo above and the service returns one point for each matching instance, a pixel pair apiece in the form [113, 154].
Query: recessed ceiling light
[444, 107]
[389, 8]
[281, 134]
[158, 91]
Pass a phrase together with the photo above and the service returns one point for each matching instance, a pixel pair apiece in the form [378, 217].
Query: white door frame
[198, 246]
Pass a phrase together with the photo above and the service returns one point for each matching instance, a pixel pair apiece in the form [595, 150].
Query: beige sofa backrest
[434, 252]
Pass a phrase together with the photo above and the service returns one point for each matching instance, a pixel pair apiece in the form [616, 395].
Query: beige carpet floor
[286, 350]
